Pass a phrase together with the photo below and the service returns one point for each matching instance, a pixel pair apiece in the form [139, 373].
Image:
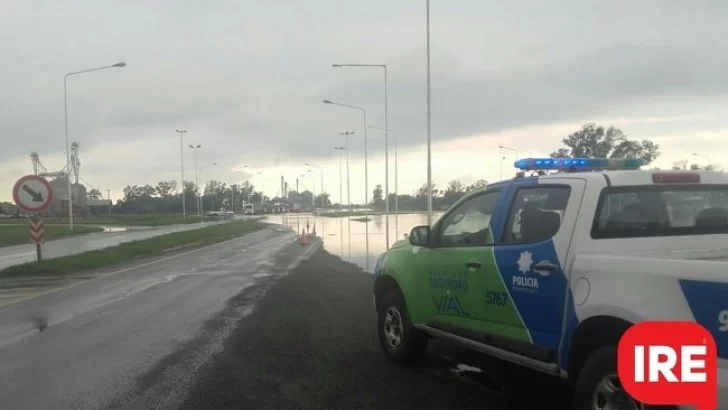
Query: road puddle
[477, 376]
[114, 229]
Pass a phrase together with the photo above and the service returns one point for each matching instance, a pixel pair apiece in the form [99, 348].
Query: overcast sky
[247, 80]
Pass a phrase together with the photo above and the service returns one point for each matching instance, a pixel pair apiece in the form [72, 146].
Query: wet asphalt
[311, 344]
[231, 326]
[136, 338]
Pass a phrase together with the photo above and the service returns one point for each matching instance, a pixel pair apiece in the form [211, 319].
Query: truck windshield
[664, 210]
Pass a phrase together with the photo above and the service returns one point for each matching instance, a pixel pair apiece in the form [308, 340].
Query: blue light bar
[578, 164]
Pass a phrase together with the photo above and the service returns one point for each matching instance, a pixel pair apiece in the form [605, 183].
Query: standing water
[346, 236]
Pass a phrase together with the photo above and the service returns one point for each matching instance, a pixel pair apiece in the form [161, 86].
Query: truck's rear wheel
[402, 344]
[598, 387]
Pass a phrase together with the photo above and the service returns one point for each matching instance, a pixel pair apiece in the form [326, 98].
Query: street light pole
[65, 117]
[386, 144]
[341, 190]
[313, 194]
[366, 175]
[182, 170]
[348, 181]
[509, 149]
[366, 162]
[321, 174]
[396, 183]
[429, 137]
[202, 197]
[197, 179]
[701, 155]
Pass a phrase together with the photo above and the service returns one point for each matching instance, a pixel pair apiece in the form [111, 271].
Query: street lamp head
[336, 65]
[327, 102]
[695, 153]
[119, 64]
[198, 146]
[190, 146]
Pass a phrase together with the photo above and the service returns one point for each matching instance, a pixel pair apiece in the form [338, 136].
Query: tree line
[590, 141]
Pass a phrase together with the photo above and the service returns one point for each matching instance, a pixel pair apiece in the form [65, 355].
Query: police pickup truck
[548, 271]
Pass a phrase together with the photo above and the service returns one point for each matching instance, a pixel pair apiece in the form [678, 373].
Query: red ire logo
[669, 363]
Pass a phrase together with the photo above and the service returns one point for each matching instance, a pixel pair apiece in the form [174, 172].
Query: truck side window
[536, 214]
[468, 224]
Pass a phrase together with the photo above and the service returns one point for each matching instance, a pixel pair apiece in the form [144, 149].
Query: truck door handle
[545, 266]
[473, 263]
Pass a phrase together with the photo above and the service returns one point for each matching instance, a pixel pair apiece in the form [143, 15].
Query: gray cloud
[247, 78]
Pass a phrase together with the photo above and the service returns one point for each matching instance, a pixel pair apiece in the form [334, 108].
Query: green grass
[123, 220]
[133, 250]
[19, 234]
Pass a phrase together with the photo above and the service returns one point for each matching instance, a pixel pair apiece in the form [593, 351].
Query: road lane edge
[142, 265]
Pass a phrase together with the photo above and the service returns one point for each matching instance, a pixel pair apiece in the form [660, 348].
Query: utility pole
[182, 169]
[348, 181]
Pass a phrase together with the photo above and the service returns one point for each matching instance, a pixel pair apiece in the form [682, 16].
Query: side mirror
[420, 235]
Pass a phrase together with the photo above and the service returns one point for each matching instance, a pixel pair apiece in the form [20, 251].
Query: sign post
[34, 195]
[36, 233]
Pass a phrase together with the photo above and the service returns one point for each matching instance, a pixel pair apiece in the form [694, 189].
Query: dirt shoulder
[311, 344]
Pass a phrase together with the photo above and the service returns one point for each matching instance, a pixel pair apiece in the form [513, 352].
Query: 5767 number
[496, 298]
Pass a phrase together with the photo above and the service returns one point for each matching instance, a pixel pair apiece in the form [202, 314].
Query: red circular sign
[33, 194]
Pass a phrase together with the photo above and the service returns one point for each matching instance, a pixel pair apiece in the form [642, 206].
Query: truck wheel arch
[590, 335]
[383, 285]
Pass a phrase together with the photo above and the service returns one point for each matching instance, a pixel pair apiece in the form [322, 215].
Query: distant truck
[252, 209]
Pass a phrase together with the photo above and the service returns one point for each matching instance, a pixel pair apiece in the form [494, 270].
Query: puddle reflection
[355, 241]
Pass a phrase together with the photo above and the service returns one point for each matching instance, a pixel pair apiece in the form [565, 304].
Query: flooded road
[347, 236]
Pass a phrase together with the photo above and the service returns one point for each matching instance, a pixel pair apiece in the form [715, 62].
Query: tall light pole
[197, 174]
[348, 181]
[202, 197]
[252, 186]
[262, 197]
[65, 116]
[366, 163]
[321, 174]
[341, 190]
[396, 183]
[509, 149]
[701, 155]
[182, 169]
[386, 143]
[366, 175]
[313, 193]
[429, 137]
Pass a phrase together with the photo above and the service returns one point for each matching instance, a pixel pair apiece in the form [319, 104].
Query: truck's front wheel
[401, 342]
[598, 387]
